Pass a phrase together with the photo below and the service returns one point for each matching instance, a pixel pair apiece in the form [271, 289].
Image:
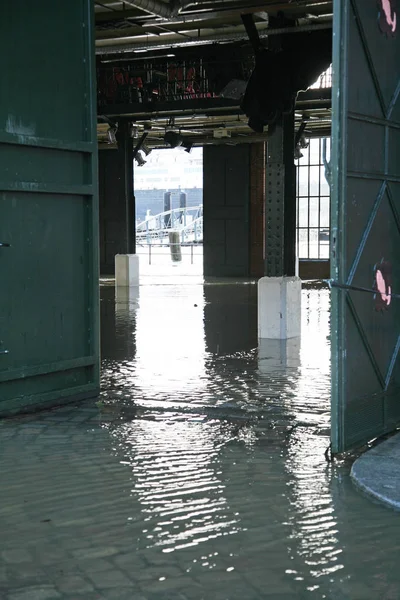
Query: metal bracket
[356, 288]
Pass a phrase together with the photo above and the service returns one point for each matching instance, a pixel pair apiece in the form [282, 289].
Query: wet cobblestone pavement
[199, 473]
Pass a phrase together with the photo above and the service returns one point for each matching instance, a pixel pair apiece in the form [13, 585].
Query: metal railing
[154, 81]
[187, 221]
[160, 255]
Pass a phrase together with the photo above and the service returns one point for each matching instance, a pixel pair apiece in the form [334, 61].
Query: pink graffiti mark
[386, 293]
[391, 21]
[390, 16]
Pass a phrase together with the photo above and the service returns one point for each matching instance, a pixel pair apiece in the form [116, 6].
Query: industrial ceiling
[144, 32]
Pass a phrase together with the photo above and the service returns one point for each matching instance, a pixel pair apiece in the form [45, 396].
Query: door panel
[365, 223]
[48, 206]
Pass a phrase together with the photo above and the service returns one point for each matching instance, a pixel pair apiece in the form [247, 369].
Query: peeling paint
[15, 126]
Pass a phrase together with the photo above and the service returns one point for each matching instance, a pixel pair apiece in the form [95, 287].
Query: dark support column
[111, 210]
[117, 212]
[182, 206]
[257, 204]
[290, 198]
[280, 205]
[167, 208]
[182, 200]
[226, 192]
[125, 151]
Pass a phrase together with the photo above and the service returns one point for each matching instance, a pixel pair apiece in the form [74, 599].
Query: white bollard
[126, 270]
[279, 308]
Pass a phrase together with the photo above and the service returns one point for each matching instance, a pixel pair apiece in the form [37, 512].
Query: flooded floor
[200, 472]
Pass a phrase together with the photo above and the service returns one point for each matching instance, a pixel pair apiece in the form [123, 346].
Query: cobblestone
[92, 553]
[16, 556]
[110, 579]
[73, 584]
[43, 592]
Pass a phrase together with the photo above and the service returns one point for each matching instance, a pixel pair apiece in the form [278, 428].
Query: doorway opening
[169, 213]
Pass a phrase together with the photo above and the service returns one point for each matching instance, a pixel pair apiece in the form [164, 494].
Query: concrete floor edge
[375, 474]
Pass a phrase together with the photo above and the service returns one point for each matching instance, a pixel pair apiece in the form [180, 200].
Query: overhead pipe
[154, 7]
[114, 36]
[183, 18]
[232, 37]
[156, 44]
[166, 11]
[232, 141]
[195, 17]
[204, 5]
[179, 6]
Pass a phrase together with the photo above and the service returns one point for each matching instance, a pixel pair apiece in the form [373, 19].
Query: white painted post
[279, 308]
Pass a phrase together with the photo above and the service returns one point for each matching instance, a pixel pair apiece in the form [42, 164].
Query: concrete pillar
[279, 292]
[278, 355]
[127, 270]
[279, 308]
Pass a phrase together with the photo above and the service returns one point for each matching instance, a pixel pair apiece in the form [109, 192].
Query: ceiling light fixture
[111, 133]
[133, 131]
[140, 160]
[187, 146]
[173, 139]
[145, 149]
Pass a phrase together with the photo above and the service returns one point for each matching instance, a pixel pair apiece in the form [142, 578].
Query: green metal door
[48, 205]
[366, 221]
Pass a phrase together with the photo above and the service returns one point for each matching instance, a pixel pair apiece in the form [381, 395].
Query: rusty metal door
[48, 205]
[365, 221]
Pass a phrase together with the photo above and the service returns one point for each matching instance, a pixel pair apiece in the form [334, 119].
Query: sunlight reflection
[164, 358]
[312, 517]
[174, 463]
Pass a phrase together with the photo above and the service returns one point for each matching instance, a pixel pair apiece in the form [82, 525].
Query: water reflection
[171, 347]
[176, 478]
[278, 355]
[157, 358]
[314, 544]
[230, 318]
[200, 474]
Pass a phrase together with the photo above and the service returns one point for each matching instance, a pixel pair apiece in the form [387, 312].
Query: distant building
[172, 170]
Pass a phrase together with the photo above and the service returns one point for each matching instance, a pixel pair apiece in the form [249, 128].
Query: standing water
[199, 473]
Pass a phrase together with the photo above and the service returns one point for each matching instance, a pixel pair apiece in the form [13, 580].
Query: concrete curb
[377, 472]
